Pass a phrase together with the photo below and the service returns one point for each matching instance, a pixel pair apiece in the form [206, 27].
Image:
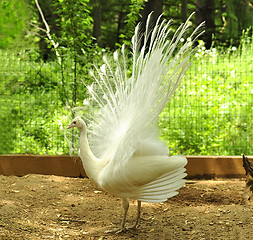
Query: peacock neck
[91, 164]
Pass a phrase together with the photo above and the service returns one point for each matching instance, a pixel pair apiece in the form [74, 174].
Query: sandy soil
[52, 207]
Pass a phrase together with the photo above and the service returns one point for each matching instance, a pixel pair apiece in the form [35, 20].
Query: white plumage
[127, 158]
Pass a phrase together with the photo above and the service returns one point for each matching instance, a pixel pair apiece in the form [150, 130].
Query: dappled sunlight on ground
[52, 207]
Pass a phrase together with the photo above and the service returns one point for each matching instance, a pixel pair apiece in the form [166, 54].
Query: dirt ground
[53, 207]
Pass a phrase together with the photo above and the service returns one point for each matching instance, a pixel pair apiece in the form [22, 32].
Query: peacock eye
[74, 122]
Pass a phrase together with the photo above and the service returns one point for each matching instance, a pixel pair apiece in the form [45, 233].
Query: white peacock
[127, 158]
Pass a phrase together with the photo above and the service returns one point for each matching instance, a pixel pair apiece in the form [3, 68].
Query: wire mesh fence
[30, 105]
[210, 113]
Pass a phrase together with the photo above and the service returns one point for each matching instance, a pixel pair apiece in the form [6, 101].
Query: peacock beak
[70, 126]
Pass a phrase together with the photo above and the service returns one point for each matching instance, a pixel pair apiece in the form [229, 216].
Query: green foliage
[30, 106]
[8, 134]
[132, 19]
[35, 93]
[75, 24]
[14, 24]
[210, 113]
[239, 16]
[11, 21]
[75, 50]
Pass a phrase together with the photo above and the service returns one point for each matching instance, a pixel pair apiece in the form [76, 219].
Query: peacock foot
[138, 222]
[116, 230]
[135, 225]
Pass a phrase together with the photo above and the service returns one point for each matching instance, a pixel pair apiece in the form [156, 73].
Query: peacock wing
[147, 178]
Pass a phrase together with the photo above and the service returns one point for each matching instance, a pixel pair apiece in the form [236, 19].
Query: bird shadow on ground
[201, 193]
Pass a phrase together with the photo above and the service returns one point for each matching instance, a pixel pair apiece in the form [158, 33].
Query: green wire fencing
[211, 112]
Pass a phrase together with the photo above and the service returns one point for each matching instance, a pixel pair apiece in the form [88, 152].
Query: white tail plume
[129, 106]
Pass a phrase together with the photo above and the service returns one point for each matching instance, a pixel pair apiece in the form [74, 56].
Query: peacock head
[78, 123]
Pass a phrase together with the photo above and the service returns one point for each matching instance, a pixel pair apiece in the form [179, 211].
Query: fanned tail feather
[166, 179]
[164, 187]
[130, 105]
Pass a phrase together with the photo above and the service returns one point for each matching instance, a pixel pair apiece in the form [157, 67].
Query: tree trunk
[120, 16]
[97, 21]
[205, 12]
[152, 5]
[184, 10]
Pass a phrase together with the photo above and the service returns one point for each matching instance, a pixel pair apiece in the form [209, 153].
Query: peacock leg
[137, 223]
[125, 204]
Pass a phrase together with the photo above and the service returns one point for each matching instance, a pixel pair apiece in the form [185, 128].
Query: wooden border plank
[198, 167]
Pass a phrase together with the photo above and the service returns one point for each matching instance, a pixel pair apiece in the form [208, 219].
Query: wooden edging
[198, 167]
[20, 165]
[210, 167]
